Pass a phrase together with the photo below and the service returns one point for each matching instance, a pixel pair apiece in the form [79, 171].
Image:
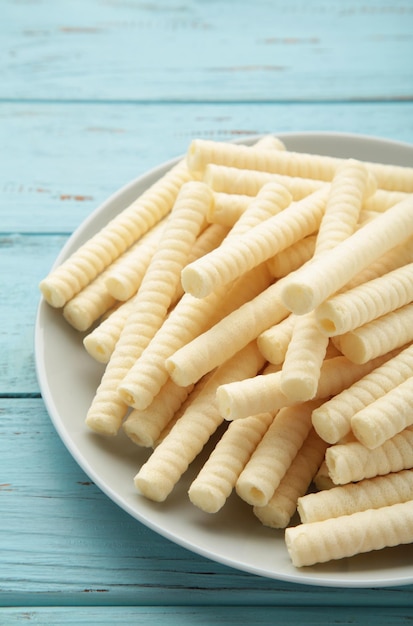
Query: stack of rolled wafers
[267, 293]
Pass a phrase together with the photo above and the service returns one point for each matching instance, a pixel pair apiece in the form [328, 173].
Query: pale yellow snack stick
[124, 276]
[351, 462]
[332, 420]
[262, 242]
[388, 332]
[87, 306]
[362, 304]
[283, 504]
[381, 200]
[113, 239]
[304, 357]
[349, 535]
[191, 317]
[218, 476]
[170, 459]
[326, 273]
[231, 334]
[352, 183]
[274, 341]
[270, 142]
[202, 151]
[144, 427]
[371, 493]
[233, 180]
[151, 304]
[322, 480]
[227, 208]
[263, 393]
[385, 417]
[101, 341]
[274, 454]
[293, 257]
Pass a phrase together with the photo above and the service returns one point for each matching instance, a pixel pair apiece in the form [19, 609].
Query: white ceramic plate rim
[262, 553]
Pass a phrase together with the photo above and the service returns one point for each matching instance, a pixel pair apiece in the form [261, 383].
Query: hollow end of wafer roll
[206, 497]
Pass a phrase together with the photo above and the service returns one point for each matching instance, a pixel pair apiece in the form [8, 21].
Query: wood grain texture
[207, 51]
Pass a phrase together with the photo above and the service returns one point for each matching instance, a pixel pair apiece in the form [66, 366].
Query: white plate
[68, 378]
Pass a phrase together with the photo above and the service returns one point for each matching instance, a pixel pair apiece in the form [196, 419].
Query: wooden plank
[205, 616]
[293, 50]
[64, 543]
[64, 160]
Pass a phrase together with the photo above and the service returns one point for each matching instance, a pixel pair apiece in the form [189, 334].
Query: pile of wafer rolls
[268, 294]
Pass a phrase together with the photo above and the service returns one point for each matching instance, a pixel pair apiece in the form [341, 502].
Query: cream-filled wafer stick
[274, 341]
[332, 420]
[263, 393]
[274, 454]
[292, 257]
[349, 535]
[113, 239]
[262, 242]
[227, 208]
[358, 306]
[326, 273]
[101, 341]
[170, 459]
[351, 462]
[379, 336]
[351, 183]
[218, 476]
[248, 182]
[283, 504]
[144, 427]
[202, 151]
[322, 480]
[385, 417]
[371, 493]
[191, 317]
[304, 357]
[231, 334]
[87, 306]
[272, 199]
[124, 276]
[270, 142]
[151, 304]
[381, 200]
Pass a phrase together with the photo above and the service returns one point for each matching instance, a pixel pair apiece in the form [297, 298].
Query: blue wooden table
[92, 94]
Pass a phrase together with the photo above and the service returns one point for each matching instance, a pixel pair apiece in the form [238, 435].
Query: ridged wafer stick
[313, 283]
[218, 476]
[348, 535]
[108, 244]
[385, 416]
[89, 304]
[274, 341]
[263, 393]
[366, 302]
[283, 503]
[151, 304]
[202, 151]
[231, 334]
[381, 200]
[379, 336]
[262, 242]
[332, 420]
[248, 182]
[170, 459]
[124, 276]
[292, 257]
[274, 454]
[371, 493]
[351, 462]
[227, 208]
[144, 427]
[191, 317]
[101, 341]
